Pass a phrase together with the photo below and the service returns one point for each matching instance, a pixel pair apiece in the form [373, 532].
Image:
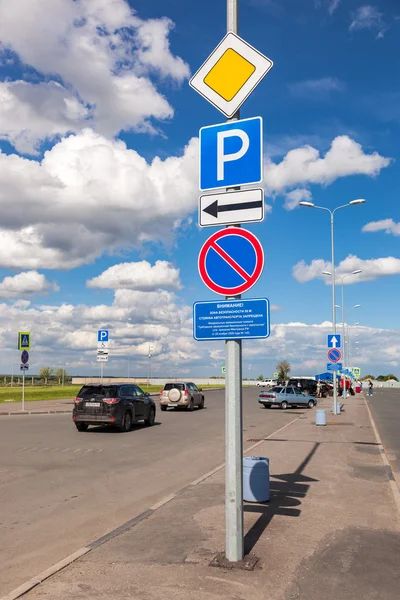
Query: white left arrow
[334, 341]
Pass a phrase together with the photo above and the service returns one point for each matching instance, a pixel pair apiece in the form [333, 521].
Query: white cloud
[316, 89]
[371, 269]
[386, 225]
[87, 195]
[138, 276]
[293, 198]
[330, 5]
[368, 17]
[106, 57]
[28, 283]
[304, 166]
[333, 6]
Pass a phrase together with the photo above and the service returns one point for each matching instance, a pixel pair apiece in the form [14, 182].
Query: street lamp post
[151, 347]
[332, 216]
[356, 272]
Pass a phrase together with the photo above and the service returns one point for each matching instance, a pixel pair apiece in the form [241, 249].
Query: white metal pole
[344, 342]
[23, 390]
[101, 372]
[333, 307]
[233, 411]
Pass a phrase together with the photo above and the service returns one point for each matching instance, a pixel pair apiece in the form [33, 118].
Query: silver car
[181, 395]
[285, 396]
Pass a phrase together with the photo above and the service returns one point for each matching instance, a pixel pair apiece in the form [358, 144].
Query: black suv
[117, 404]
[309, 386]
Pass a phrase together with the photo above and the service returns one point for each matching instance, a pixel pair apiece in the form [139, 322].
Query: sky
[99, 181]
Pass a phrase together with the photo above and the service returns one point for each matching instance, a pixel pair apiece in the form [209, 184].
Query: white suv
[267, 383]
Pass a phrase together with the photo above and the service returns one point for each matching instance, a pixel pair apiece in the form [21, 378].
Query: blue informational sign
[231, 154]
[231, 319]
[102, 335]
[334, 366]
[334, 341]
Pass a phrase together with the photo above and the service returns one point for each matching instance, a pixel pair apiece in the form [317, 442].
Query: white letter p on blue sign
[102, 335]
[231, 154]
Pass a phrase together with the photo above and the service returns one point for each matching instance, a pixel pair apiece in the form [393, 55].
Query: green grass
[14, 394]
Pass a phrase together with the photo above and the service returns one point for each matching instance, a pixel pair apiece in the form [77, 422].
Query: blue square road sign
[102, 335]
[334, 340]
[231, 154]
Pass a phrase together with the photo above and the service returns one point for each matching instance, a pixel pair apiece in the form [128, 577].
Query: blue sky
[99, 179]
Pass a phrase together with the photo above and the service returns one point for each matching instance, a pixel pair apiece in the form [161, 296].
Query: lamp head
[305, 203]
[357, 272]
[357, 305]
[326, 273]
[358, 201]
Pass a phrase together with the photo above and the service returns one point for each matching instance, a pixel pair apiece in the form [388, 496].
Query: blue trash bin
[256, 479]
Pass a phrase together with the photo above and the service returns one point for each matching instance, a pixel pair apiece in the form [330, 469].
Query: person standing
[318, 389]
[370, 387]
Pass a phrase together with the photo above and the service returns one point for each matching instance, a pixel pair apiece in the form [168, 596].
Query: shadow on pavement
[286, 496]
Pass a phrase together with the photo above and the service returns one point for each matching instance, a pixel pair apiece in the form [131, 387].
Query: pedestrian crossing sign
[24, 340]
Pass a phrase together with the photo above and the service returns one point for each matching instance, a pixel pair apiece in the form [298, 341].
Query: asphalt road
[61, 489]
[385, 407]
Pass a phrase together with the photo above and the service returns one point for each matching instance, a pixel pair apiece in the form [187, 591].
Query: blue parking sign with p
[231, 154]
[102, 335]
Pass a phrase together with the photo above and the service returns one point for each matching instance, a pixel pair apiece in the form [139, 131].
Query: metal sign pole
[233, 411]
[23, 389]
[101, 372]
[333, 309]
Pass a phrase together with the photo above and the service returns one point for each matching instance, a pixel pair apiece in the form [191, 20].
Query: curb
[38, 579]
[35, 412]
[394, 484]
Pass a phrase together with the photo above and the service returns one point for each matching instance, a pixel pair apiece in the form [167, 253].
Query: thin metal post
[333, 308]
[344, 342]
[101, 372]
[23, 390]
[233, 409]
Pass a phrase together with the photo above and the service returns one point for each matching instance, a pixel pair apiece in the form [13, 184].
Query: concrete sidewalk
[331, 529]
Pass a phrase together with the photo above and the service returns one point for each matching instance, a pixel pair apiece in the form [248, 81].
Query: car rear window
[108, 391]
[171, 386]
[277, 389]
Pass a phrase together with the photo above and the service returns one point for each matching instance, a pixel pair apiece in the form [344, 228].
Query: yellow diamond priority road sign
[230, 74]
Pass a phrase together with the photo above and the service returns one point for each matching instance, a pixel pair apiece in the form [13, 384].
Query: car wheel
[284, 405]
[266, 406]
[163, 408]
[310, 404]
[191, 405]
[127, 422]
[151, 418]
[82, 426]
[201, 405]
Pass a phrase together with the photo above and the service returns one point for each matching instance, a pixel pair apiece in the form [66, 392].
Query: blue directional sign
[231, 319]
[102, 335]
[334, 341]
[231, 154]
[334, 366]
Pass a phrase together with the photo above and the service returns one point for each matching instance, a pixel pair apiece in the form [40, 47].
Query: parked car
[181, 394]
[309, 386]
[117, 404]
[285, 396]
[266, 383]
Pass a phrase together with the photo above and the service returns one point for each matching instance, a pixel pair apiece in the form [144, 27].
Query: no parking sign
[231, 261]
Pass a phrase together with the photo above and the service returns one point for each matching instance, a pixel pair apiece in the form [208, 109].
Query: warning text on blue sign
[231, 319]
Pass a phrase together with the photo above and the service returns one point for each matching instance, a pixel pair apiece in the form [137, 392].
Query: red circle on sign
[334, 355]
[250, 278]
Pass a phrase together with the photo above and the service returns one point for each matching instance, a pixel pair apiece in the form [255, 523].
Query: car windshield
[171, 386]
[277, 389]
[108, 391]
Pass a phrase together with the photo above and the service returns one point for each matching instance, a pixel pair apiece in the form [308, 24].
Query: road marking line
[35, 581]
[77, 450]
